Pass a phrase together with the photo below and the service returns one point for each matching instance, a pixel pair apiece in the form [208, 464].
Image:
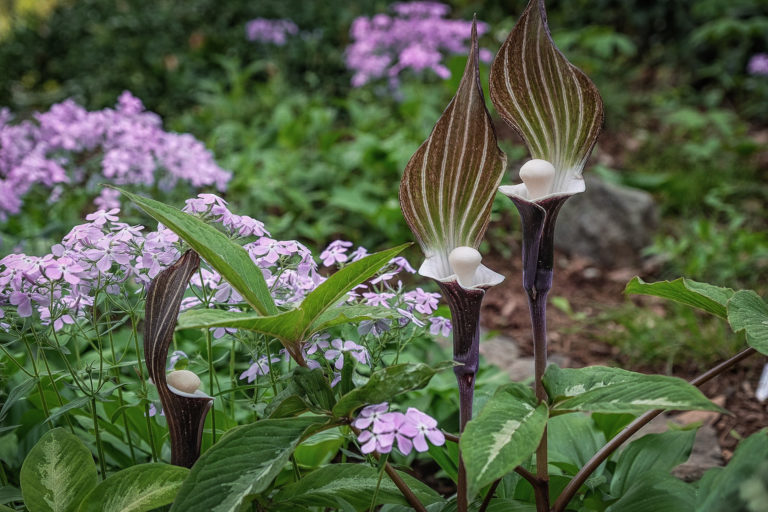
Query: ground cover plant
[204, 365]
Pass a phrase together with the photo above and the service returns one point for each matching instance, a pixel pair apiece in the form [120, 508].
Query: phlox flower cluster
[70, 146]
[758, 64]
[416, 37]
[276, 32]
[381, 429]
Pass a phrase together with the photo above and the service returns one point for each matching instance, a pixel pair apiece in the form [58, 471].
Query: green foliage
[140, 488]
[242, 463]
[353, 484]
[504, 434]
[712, 299]
[613, 390]
[748, 312]
[57, 473]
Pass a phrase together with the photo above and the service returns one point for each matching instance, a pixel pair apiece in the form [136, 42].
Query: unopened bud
[184, 380]
[464, 262]
[538, 176]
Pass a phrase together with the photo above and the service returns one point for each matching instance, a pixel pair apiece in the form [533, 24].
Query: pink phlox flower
[58, 322]
[64, 267]
[107, 199]
[243, 225]
[22, 302]
[440, 326]
[153, 410]
[101, 217]
[189, 303]
[385, 276]
[335, 252]
[377, 299]
[424, 302]
[203, 203]
[127, 233]
[106, 252]
[370, 441]
[374, 417]
[426, 428]
[758, 64]
[270, 31]
[403, 431]
[338, 346]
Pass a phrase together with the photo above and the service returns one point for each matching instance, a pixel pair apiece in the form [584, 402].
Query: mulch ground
[591, 291]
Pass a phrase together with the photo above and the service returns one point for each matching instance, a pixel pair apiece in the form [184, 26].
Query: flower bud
[464, 262]
[184, 380]
[538, 176]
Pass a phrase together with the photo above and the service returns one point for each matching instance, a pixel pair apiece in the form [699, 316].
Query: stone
[607, 224]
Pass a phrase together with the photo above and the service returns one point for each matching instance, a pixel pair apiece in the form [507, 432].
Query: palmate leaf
[449, 184]
[553, 105]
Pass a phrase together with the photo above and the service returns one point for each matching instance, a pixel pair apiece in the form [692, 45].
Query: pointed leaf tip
[552, 104]
[448, 185]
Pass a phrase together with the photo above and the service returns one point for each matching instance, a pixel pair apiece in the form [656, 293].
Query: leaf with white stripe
[553, 105]
[613, 390]
[504, 434]
[450, 182]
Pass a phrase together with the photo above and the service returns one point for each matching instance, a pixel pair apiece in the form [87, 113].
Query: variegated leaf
[449, 183]
[552, 104]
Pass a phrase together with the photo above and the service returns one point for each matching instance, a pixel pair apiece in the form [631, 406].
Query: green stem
[209, 344]
[97, 433]
[120, 399]
[38, 383]
[56, 390]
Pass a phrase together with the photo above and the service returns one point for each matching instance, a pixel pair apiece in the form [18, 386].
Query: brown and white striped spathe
[552, 104]
[449, 184]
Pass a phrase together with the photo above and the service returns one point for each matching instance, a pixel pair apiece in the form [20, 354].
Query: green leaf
[613, 390]
[228, 258]
[319, 449]
[720, 488]
[335, 288]
[18, 393]
[385, 384]
[284, 326]
[349, 314]
[354, 483]
[651, 453]
[136, 489]
[58, 473]
[657, 492]
[572, 439]
[706, 297]
[9, 493]
[314, 386]
[748, 312]
[504, 434]
[244, 462]
[612, 424]
[553, 105]
[449, 184]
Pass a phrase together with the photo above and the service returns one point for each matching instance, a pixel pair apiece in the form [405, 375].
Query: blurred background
[279, 92]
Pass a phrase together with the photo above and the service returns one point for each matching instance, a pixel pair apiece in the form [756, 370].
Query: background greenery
[317, 160]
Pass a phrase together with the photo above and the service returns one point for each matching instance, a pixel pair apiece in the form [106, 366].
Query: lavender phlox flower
[175, 357]
[58, 268]
[335, 252]
[101, 217]
[22, 302]
[402, 264]
[339, 346]
[425, 427]
[370, 441]
[107, 199]
[758, 64]
[153, 411]
[267, 250]
[358, 254]
[406, 317]
[378, 299]
[203, 203]
[423, 302]
[374, 417]
[259, 367]
[275, 31]
[106, 252]
[440, 326]
[417, 38]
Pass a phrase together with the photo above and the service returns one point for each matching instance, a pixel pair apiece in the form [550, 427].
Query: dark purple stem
[465, 305]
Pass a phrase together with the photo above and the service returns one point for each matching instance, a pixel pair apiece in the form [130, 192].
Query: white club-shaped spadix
[184, 380]
[464, 262]
[538, 176]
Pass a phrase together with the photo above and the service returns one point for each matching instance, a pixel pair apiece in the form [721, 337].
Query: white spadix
[538, 176]
[464, 262]
[184, 380]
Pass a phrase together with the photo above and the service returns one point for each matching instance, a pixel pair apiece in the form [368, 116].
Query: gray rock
[608, 224]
